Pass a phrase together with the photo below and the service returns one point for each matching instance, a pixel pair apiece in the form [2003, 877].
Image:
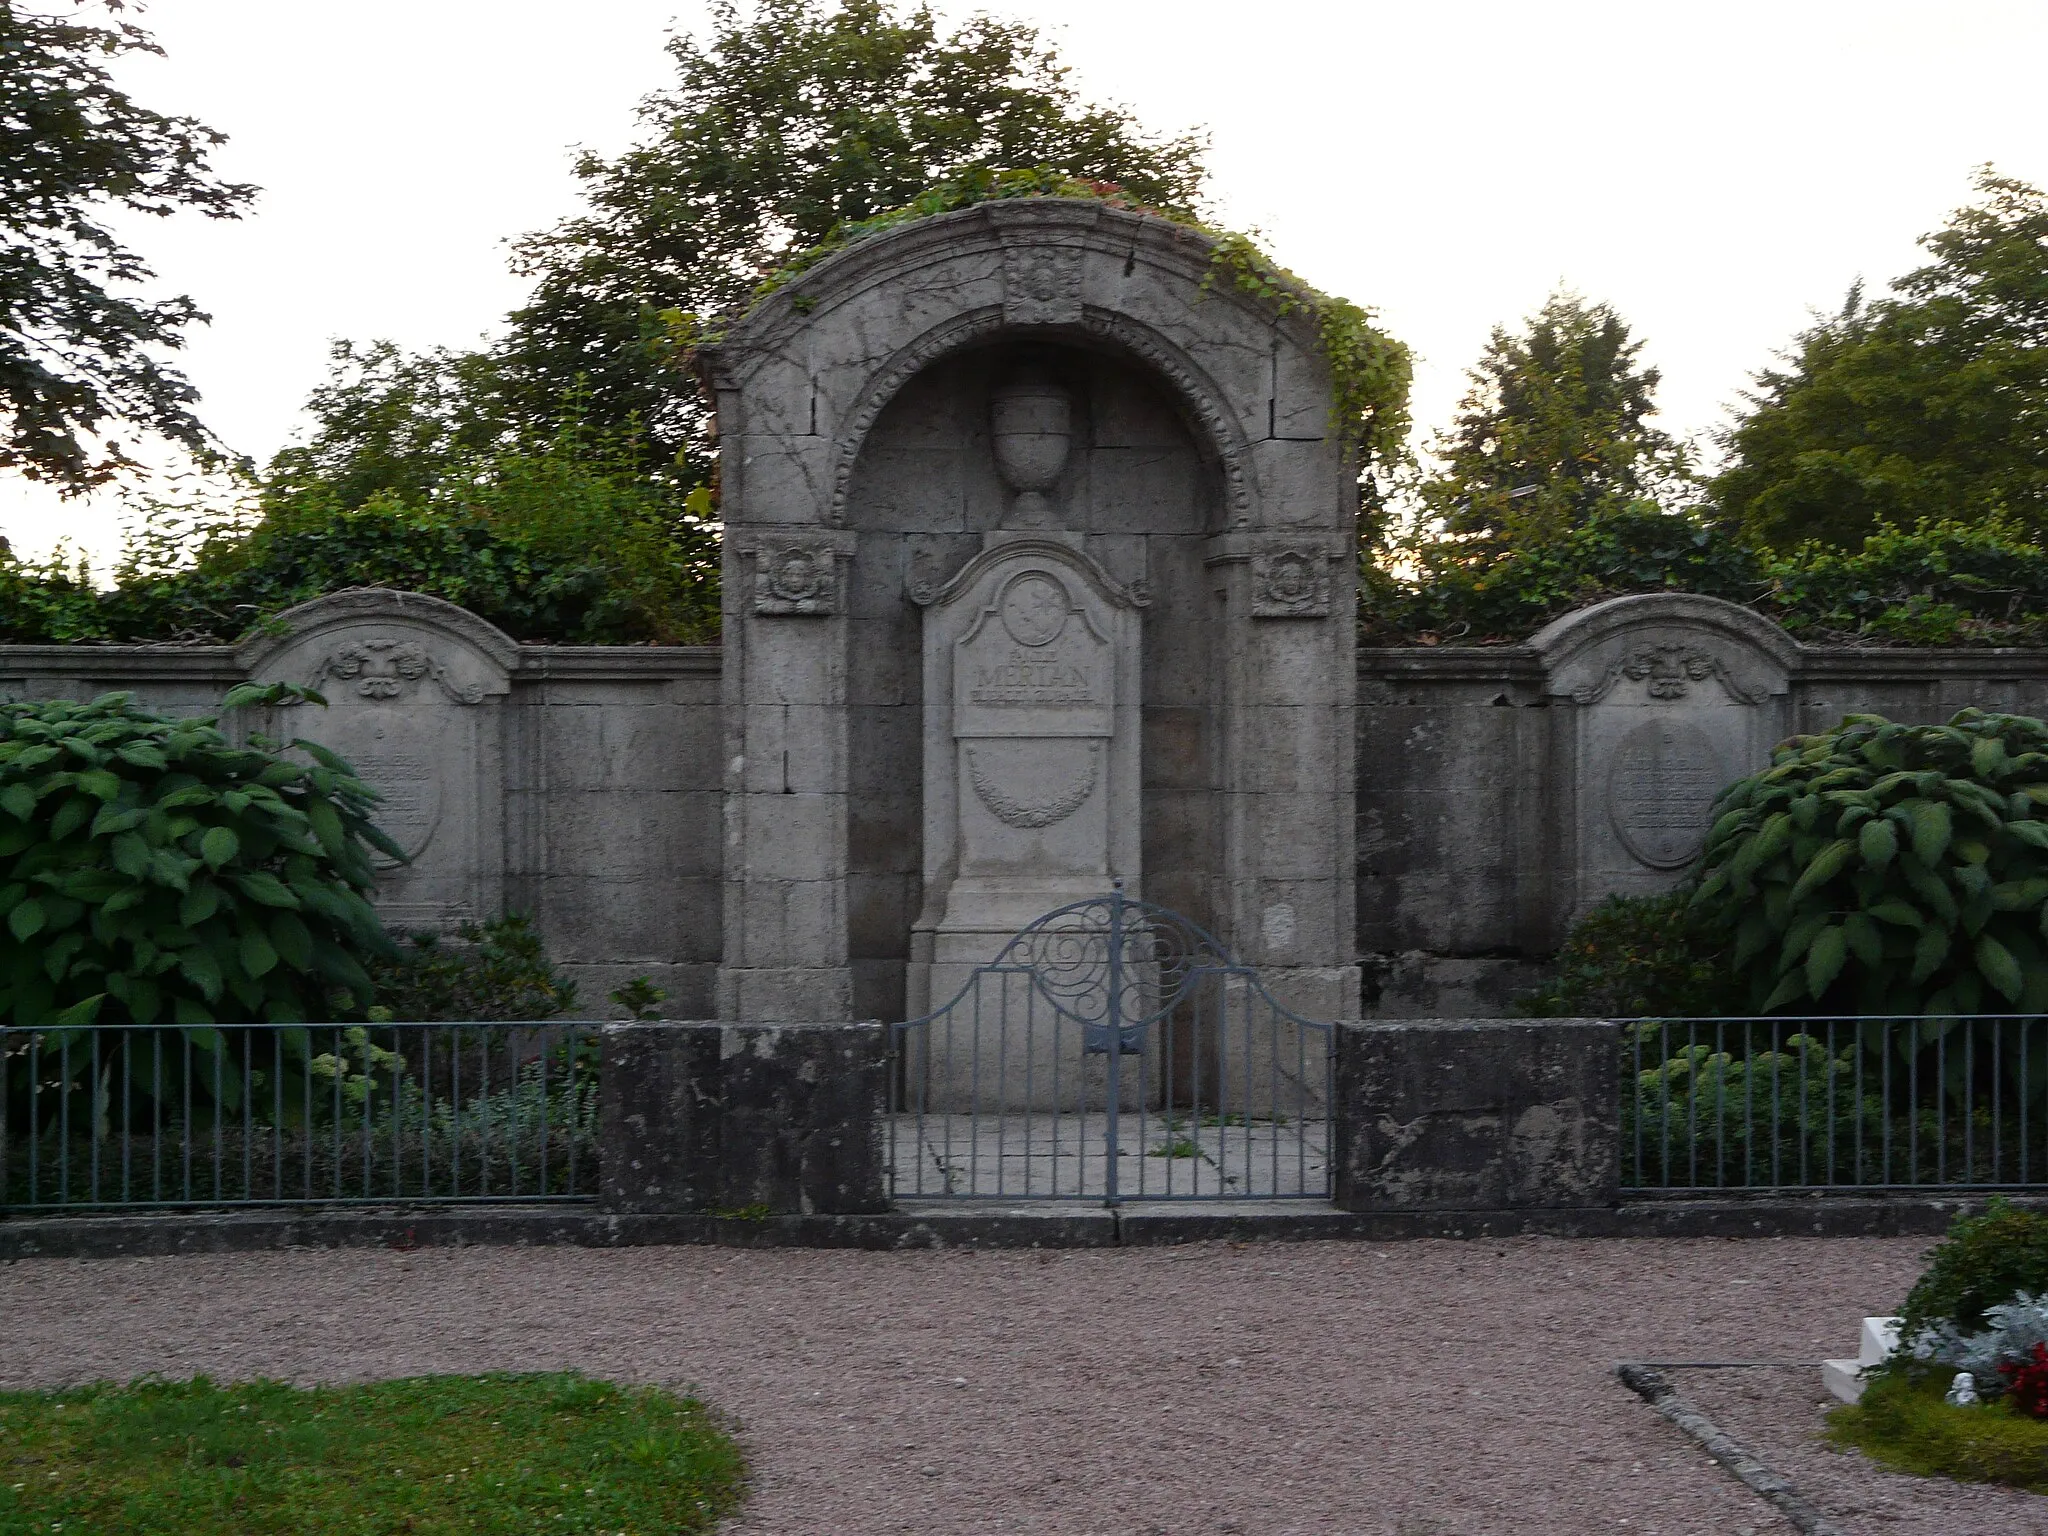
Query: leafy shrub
[563, 541]
[1636, 956]
[1733, 1105]
[1941, 583]
[496, 971]
[1890, 869]
[1483, 592]
[1985, 1261]
[1903, 1423]
[151, 870]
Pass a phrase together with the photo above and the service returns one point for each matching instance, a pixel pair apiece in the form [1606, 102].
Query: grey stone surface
[1487, 791]
[1474, 797]
[415, 690]
[1061, 372]
[1435, 1114]
[720, 1118]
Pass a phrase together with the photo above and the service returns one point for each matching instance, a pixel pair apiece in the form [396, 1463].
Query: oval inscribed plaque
[1660, 787]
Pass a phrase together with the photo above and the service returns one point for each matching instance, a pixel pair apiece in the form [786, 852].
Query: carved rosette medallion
[1290, 582]
[1041, 285]
[1661, 785]
[794, 577]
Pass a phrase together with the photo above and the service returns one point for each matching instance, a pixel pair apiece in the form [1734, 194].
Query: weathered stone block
[1477, 1114]
[738, 1118]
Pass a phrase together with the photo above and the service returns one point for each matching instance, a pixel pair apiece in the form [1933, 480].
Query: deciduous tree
[1931, 402]
[80, 343]
[1554, 430]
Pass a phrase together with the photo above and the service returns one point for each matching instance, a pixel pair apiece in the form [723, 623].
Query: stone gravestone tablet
[414, 688]
[1031, 665]
[1661, 788]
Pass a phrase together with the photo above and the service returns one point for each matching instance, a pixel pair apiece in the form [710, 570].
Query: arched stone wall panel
[819, 398]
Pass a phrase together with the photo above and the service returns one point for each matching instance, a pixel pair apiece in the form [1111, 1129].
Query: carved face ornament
[1291, 580]
[796, 575]
[1669, 670]
[381, 669]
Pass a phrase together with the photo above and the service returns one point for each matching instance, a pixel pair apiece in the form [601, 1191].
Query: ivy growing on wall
[1370, 372]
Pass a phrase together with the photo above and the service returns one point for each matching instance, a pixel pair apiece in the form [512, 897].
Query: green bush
[564, 541]
[1638, 956]
[1985, 1260]
[1902, 1422]
[153, 871]
[1941, 583]
[1452, 592]
[1889, 869]
[496, 971]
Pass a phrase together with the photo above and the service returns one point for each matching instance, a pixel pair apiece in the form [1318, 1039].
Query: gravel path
[1417, 1389]
[1780, 1416]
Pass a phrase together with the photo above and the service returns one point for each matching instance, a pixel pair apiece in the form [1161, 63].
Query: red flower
[2028, 1382]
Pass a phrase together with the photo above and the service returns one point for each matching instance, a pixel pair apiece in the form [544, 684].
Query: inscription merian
[1660, 791]
[1033, 679]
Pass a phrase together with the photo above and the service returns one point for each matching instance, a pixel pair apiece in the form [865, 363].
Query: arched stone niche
[415, 689]
[864, 468]
[1665, 699]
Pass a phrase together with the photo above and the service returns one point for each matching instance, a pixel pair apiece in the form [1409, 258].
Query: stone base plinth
[743, 1118]
[1477, 1114]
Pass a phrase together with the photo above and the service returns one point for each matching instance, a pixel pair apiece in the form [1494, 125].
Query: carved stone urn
[1031, 420]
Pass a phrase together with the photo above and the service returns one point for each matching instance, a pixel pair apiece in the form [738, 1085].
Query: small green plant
[641, 999]
[758, 1211]
[1985, 1260]
[432, 1455]
[1638, 956]
[1903, 1423]
[491, 971]
[153, 871]
[1179, 1146]
[1889, 869]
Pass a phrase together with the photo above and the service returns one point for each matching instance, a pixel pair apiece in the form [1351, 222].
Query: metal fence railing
[287, 1114]
[1815, 1104]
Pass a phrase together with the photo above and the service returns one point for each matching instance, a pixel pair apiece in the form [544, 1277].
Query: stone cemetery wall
[1504, 792]
[577, 783]
[1500, 792]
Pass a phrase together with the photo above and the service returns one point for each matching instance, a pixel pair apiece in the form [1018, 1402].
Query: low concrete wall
[756, 1119]
[1477, 1114]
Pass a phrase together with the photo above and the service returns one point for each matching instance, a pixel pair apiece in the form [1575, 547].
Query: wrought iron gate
[1112, 1051]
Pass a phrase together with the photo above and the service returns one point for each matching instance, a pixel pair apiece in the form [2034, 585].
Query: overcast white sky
[1714, 170]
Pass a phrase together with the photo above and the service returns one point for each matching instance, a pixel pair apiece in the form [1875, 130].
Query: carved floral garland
[1017, 814]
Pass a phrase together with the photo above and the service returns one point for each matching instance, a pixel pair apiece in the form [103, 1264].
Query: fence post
[1476, 1114]
[743, 1118]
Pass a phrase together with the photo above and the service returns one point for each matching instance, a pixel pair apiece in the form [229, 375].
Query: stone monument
[1039, 574]
[415, 689]
[1670, 697]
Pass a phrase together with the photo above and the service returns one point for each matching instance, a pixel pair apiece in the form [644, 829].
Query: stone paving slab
[1047, 1156]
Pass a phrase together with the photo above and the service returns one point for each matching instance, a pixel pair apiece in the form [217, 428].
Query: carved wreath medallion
[1036, 813]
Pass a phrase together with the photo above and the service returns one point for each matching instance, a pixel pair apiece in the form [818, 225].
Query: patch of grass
[1180, 1146]
[1903, 1424]
[425, 1456]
